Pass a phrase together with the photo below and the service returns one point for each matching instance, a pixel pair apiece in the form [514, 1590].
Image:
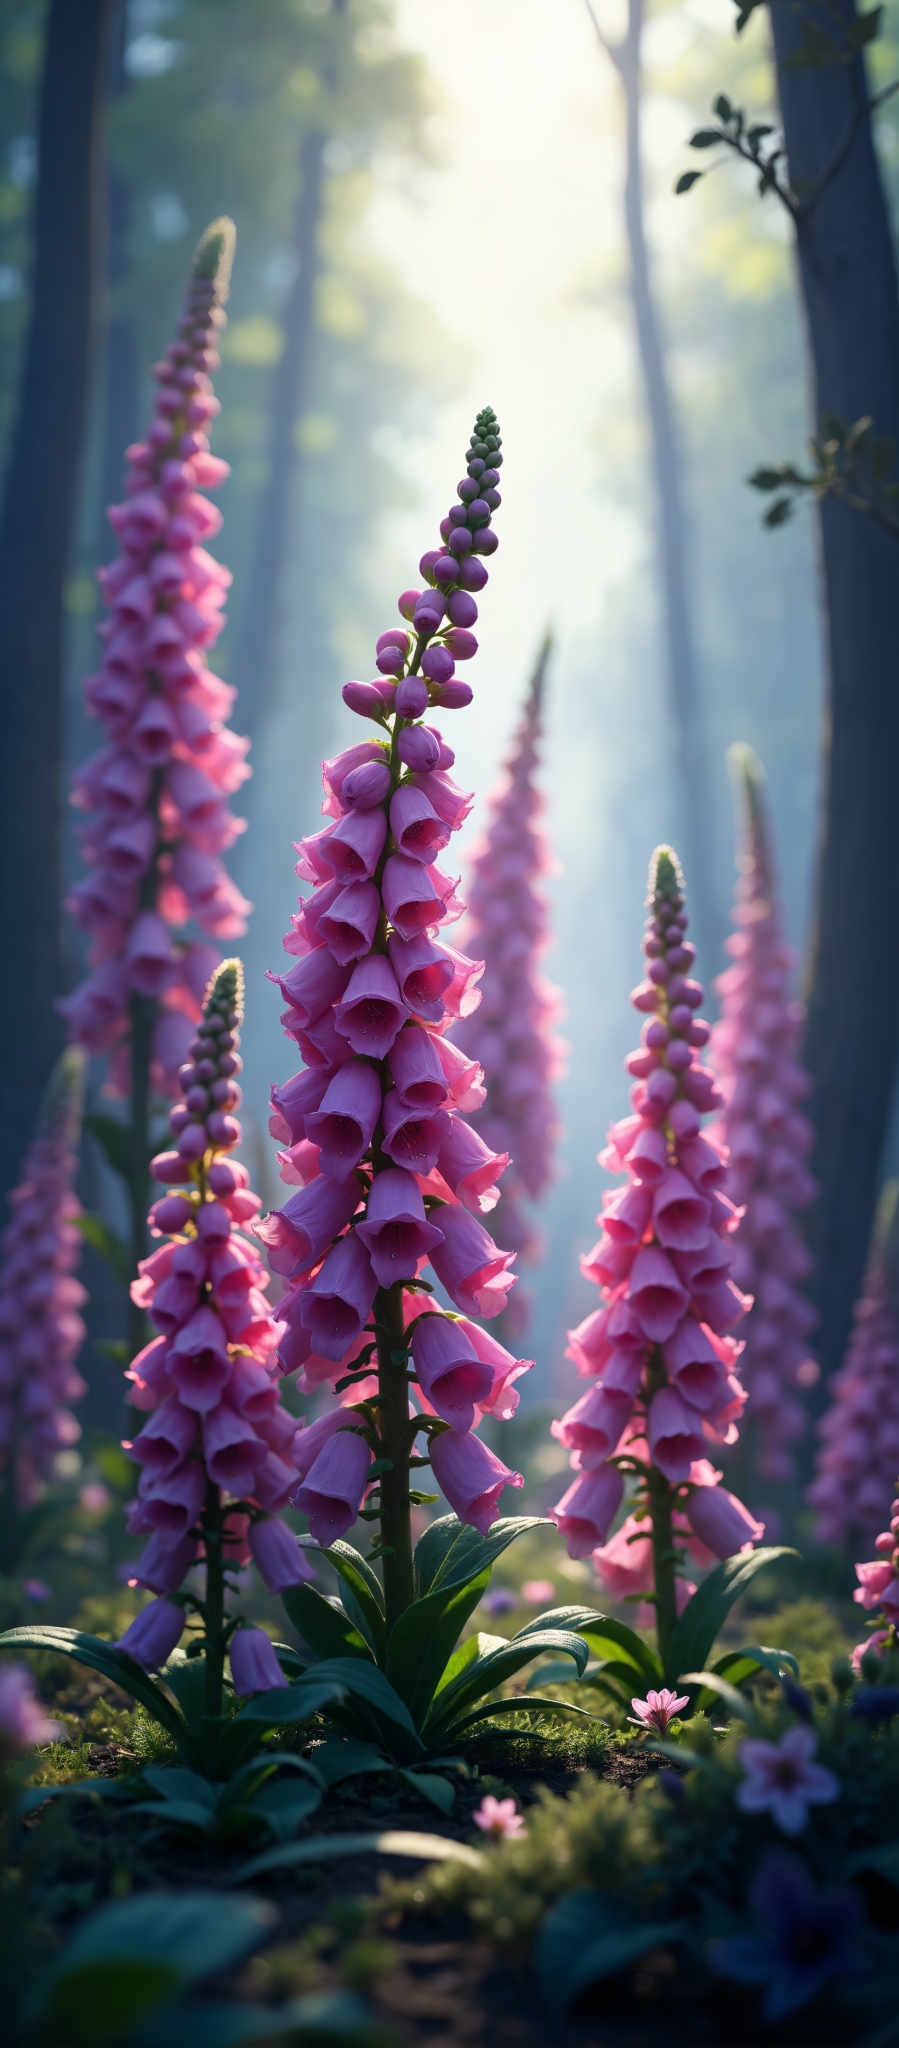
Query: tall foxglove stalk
[512, 1032]
[41, 1330]
[213, 1452]
[659, 1352]
[389, 1174]
[156, 794]
[768, 1137]
[858, 1453]
[878, 1590]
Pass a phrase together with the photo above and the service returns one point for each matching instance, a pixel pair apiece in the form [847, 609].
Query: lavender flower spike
[41, 1330]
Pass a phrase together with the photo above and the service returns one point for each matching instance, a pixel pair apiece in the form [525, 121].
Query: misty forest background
[437, 212]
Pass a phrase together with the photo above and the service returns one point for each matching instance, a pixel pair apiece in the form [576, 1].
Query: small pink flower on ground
[500, 1818]
[781, 1779]
[658, 1710]
[36, 1589]
[537, 1591]
[23, 1721]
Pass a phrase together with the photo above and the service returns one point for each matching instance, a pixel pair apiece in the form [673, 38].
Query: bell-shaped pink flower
[450, 1373]
[396, 1231]
[254, 1662]
[721, 1522]
[152, 1636]
[471, 1476]
[334, 1487]
[587, 1509]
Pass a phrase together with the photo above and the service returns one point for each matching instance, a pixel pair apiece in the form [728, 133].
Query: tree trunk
[36, 518]
[121, 355]
[259, 638]
[847, 270]
[693, 815]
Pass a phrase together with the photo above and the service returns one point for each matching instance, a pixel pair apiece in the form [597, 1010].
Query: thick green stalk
[664, 1552]
[393, 1412]
[214, 1616]
[661, 1502]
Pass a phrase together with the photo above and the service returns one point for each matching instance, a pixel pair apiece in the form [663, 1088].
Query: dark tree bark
[36, 518]
[847, 271]
[685, 709]
[121, 355]
[292, 383]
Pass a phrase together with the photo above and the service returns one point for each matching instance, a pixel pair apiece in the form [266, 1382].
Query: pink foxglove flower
[782, 1778]
[23, 1721]
[374, 1133]
[858, 1454]
[155, 797]
[41, 1329]
[214, 1447]
[878, 1590]
[658, 1710]
[512, 1033]
[499, 1818]
[768, 1137]
[659, 1354]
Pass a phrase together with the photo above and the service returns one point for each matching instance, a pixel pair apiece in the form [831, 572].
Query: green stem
[661, 1502]
[664, 1549]
[214, 1616]
[393, 1411]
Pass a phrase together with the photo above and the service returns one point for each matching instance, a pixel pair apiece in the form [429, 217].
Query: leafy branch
[850, 463]
[832, 41]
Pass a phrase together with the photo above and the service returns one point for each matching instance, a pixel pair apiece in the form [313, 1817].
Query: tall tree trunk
[847, 270]
[693, 817]
[259, 637]
[121, 355]
[36, 518]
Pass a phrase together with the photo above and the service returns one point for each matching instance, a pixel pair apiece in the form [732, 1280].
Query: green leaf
[361, 1681]
[704, 1615]
[336, 2017]
[865, 29]
[284, 1806]
[451, 1553]
[705, 138]
[328, 1848]
[765, 479]
[588, 1936]
[739, 1664]
[174, 1782]
[178, 1813]
[687, 180]
[431, 1786]
[111, 1247]
[422, 1641]
[133, 1955]
[614, 1641]
[288, 1706]
[711, 1687]
[534, 1704]
[114, 1139]
[35, 1796]
[365, 1586]
[344, 1756]
[258, 1768]
[103, 1657]
[489, 1672]
[322, 1624]
[722, 107]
